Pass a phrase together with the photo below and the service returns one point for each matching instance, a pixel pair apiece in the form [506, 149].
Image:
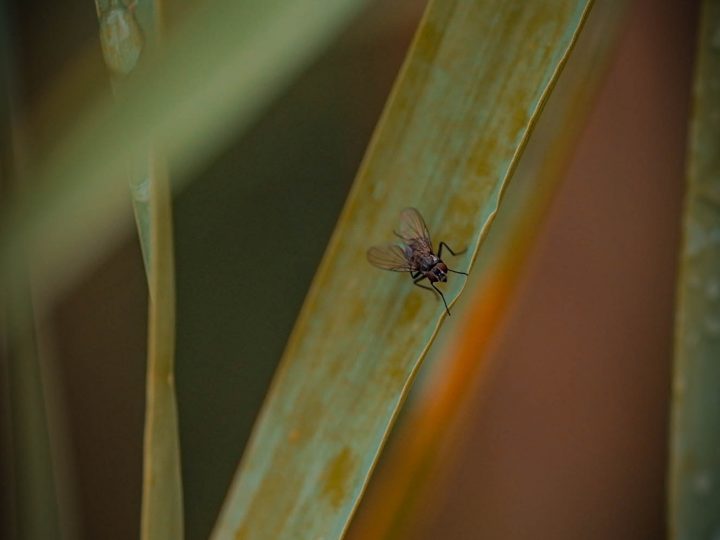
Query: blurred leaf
[695, 460]
[215, 74]
[122, 38]
[35, 494]
[415, 456]
[30, 493]
[162, 509]
[124, 34]
[449, 139]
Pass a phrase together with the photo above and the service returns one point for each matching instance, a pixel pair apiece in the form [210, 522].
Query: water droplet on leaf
[121, 39]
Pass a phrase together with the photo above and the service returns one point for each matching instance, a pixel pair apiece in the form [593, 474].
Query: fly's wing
[413, 229]
[389, 257]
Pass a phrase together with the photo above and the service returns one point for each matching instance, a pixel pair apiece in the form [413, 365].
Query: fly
[414, 254]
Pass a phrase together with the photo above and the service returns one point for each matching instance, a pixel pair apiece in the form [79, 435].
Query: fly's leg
[453, 253]
[418, 277]
[441, 296]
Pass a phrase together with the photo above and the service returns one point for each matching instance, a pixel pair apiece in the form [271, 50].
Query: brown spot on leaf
[294, 436]
[336, 479]
[241, 533]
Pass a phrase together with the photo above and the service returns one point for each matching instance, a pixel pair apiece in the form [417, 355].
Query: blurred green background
[250, 231]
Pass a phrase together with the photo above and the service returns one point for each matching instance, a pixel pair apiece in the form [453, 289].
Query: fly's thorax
[428, 261]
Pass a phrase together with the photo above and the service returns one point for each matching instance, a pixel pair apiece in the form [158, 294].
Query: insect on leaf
[449, 138]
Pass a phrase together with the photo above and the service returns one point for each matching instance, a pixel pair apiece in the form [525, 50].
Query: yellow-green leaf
[162, 509]
[122, 38]
[417, 454]
[475, 80]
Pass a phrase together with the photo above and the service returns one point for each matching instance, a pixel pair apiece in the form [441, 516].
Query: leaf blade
[441, 141]
[418, 453]
[162, 504]
[694, 496]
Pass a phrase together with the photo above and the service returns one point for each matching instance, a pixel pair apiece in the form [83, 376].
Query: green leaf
[695, 459]
[475, 80]
[416, 455]
[122, 38]
[162, 506]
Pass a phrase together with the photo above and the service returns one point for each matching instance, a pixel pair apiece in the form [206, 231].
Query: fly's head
[440, 271]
